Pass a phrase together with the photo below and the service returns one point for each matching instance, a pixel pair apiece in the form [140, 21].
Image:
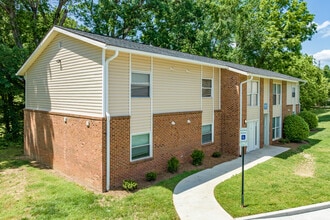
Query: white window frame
[277, 94]
[276, 130]
[208, 88]
[251, 95]
[211, 141]
[131, 147]
[148, 84]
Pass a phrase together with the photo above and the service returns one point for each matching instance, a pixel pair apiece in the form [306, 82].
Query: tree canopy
[260, 33]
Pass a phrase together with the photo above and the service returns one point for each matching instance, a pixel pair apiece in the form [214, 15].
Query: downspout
[106, 112]
[241, 104]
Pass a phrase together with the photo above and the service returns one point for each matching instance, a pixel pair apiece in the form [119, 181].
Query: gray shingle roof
[172, 53]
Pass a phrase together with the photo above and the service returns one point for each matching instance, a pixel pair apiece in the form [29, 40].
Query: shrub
[173, 165]
[295, 128]
[197, 156]
[216, 154]
[284, 140]
[129, 185]
[151, 176]
[310, 118]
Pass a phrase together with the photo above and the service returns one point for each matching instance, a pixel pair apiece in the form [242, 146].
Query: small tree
[295, 128]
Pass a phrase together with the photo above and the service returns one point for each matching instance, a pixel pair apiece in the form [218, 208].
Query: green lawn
[295, 178]
[33, 193]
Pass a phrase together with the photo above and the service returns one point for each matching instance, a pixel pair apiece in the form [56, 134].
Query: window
[276, 127]
[206, 134]
[252, 93]
[206, 88]
[140, 86]
[276, 94]
[140, 146]
[293, 92]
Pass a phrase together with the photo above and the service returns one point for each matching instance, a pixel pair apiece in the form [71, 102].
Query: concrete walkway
[194, 198]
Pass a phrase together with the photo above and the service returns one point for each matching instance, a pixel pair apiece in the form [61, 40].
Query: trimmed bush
[295, 128]
[173, 165]
[310, 118]
[216, 154]
[129, 185]
[197, 156]
[151, 176]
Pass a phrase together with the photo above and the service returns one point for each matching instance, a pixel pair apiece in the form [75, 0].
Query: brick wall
[169, 140]
[72, 148]
[230, 112]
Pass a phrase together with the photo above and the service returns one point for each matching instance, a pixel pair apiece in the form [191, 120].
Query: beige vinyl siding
[207, 102]
[141, 64]
[67, 77]
[141, 107]
[217, 89]
[176, 86]
[207, 115]
[207, 72]
[253, 113]
[292, 100]
[266, 95]
[141, 115]
[119, 85]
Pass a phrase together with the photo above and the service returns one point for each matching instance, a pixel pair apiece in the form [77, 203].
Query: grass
[295, 178]
[28, 192]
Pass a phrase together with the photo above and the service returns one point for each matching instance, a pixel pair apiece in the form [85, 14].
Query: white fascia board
[277, 78]
[143, 53]
[47, 39]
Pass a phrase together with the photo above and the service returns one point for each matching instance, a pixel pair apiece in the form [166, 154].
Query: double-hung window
[252, 93]
[293, 92]
[206, 87]
[140, 146]
[276, 128]
[140, 85]
[207, 134]
[277, 94]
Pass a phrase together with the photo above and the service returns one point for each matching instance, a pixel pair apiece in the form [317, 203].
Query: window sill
[142, 160]
[207, 144]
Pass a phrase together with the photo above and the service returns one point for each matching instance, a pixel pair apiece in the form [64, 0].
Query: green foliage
[310, 118]
[284, 140]
[295, 128]
[197, 156]
[151, 176]
[216, 154]
[173, 165]
[129, 185]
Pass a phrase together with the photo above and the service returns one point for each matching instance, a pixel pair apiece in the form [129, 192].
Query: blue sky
[319, 46]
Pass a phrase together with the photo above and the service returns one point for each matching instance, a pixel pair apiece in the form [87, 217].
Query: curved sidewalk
[193, 197]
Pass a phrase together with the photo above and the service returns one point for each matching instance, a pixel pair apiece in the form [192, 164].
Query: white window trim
[277, 94]
[150, 146]
[212, 86]
[250, 93]
[212, 135]
[280, 129]
[149, 84]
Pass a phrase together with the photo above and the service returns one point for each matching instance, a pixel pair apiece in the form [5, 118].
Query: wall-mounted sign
[265, 106]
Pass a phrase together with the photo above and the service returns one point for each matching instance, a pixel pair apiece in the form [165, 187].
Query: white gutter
[241, 104]
[106, 110]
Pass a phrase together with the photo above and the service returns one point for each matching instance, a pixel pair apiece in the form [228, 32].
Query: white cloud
[323, 55]
[324, 29]
[323, 25]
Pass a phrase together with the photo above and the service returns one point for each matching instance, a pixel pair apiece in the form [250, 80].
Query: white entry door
[253, 135]
[266, 130]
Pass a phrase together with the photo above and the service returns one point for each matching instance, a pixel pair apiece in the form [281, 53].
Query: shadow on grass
[299, 149]
[11, 154]
[325, 117]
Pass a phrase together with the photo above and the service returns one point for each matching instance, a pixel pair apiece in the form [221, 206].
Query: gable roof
[129, 46]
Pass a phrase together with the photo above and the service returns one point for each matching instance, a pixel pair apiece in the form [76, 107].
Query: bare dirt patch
[307, 167]
[14, 181]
